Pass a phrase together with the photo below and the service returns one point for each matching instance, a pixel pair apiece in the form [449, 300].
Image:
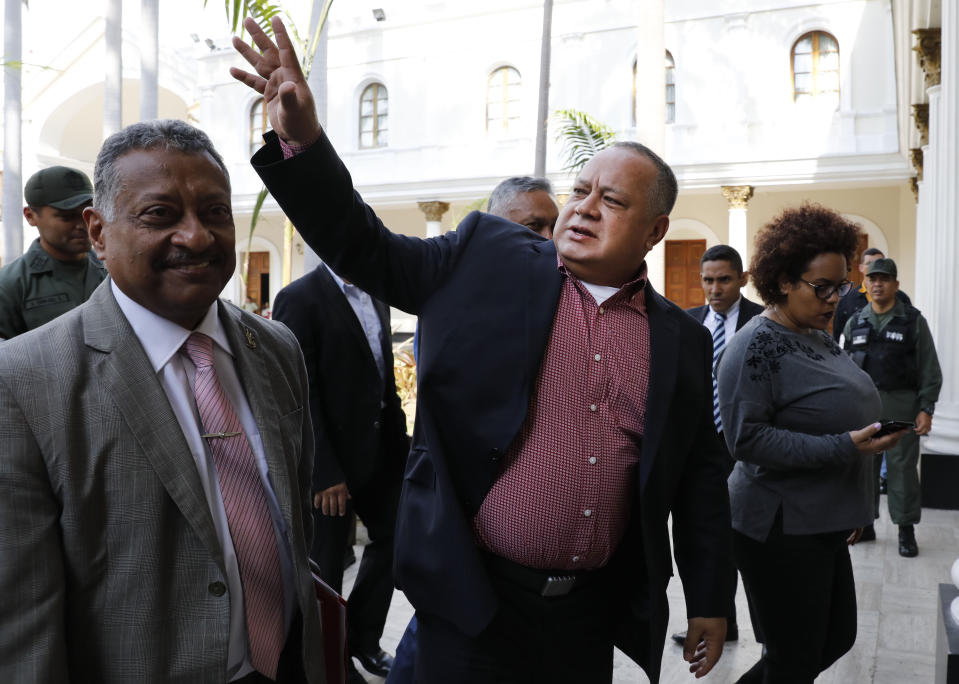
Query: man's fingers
[691, 646]
[707, 659]
[249, 54]
[256, 82]
[285, 46]
[287, 93]
[259, 35]
[695, 657]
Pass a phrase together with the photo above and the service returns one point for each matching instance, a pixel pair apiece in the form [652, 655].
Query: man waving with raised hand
[564, 412]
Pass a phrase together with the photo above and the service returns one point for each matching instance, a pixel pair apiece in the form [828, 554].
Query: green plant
[262, 12]
[582, 137]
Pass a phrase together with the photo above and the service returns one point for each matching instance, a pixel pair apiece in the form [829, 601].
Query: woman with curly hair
[799, 418]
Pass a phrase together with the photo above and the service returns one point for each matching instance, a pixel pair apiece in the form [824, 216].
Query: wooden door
[682, 272]
[259, 265]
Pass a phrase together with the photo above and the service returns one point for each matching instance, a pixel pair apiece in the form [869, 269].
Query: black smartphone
[890, 426]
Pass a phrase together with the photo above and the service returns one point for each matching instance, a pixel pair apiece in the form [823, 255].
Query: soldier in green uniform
[891, 341]
[59, 271]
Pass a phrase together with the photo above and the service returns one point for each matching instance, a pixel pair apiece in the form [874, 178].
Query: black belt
[547, 583]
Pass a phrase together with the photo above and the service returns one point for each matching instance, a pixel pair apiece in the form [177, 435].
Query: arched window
[815, 66]
[670, 90]
[374, 116]
[258, 125]
[502, 100]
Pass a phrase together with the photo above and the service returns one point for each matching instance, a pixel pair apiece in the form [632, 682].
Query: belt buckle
[558, 585]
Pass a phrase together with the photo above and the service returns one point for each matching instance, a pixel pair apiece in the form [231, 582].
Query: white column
[650, 75]
[737, 198]
[113, 76]
[12, 197]
[943, 250]
[434, 211]
[928, 209]
[149, 59]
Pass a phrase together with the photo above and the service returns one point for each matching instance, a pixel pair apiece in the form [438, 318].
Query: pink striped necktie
[248, 517]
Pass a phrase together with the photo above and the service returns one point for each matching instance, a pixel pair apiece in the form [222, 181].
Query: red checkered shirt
[564, 497]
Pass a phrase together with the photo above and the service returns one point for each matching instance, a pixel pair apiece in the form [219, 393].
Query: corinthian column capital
[928, 47]
[920, 114]
[737, 196]
[434, 210]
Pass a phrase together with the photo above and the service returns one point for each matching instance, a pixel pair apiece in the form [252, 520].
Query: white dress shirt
[362, 305]
[161, 340]
[732, 317]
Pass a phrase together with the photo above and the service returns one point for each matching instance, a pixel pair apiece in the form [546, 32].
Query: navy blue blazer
[359, 427]
[486, 295]
[747, 309]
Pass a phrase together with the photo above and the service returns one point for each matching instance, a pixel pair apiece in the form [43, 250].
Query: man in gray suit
[155, 452]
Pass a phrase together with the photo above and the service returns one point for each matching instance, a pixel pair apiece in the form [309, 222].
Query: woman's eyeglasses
[828, 290]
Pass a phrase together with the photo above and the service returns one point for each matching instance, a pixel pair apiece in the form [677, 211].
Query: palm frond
[475, 205]
[260, 10]
[582, 137]
[254, 219]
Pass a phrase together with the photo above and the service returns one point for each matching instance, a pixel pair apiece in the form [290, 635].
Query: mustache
[177, 259]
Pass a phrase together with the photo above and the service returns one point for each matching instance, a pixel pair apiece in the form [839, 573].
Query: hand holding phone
[890, 426]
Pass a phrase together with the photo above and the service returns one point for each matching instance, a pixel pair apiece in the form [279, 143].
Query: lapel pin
[250, 338]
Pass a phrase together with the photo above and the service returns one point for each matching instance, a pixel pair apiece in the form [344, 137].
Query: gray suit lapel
[130, 382]
[251, 367]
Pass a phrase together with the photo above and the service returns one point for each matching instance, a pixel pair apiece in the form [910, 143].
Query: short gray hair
[662, 193]
[504, 193]
[159, 134]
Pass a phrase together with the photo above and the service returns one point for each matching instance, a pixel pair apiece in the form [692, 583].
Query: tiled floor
[897, 614]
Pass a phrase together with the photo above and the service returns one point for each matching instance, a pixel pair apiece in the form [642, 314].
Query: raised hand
[279, 78]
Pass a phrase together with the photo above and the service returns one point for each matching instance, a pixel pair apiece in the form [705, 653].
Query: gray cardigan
[788, 401]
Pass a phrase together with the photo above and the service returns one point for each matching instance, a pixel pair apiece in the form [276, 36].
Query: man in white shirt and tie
[154, 498]
[726, 311]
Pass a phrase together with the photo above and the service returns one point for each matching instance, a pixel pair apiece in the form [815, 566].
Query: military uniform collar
[38, 261]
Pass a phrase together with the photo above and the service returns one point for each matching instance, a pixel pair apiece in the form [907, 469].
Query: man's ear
[743, 279]
[659, 231]
[30, 215]
[95, 224]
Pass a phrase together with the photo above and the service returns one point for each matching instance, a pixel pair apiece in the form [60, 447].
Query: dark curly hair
[786, 245]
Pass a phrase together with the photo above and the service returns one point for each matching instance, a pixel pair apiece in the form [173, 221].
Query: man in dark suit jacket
[627, 439]
[722, 277]
[360, 442]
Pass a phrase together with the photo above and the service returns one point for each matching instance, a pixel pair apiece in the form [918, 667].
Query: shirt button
[597, 358]
[592, 460]
[602, 310]
[576, 559]
[592, 407]
[587, 512]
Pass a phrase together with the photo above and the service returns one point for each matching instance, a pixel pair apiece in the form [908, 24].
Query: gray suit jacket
[110, 569]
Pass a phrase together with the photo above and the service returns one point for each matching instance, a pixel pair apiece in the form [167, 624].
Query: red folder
[333, 621]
